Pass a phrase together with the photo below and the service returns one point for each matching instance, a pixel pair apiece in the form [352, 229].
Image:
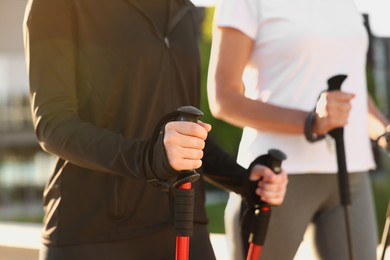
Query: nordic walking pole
[260, 209]
[385, 236]
[184, 195]
[334, 83]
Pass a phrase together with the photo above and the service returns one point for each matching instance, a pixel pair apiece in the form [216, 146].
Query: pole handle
[184, 195]
[260, 209]
[190, 114]
[334, 83]
[273, 160]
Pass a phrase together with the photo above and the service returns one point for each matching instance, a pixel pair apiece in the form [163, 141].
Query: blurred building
[23, 167]
[15, 116]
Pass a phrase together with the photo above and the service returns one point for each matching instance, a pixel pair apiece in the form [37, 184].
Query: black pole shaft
[386, 236]
[343, 180]
[334, 83]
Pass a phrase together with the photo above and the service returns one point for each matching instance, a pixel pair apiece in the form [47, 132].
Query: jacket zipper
[172, 22]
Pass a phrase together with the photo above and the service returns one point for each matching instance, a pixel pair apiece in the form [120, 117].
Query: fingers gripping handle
[185, 113]
[273, 160]
[190, 114]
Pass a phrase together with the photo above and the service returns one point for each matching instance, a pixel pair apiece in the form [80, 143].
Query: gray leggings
[314, 198]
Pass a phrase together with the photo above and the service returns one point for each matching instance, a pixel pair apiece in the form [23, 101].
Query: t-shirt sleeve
[242, 15]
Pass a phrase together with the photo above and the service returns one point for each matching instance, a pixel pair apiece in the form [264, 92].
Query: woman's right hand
[332, 111]
[184, 143]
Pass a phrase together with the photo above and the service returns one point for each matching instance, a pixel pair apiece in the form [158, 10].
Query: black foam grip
[184, 211]
[343, 178]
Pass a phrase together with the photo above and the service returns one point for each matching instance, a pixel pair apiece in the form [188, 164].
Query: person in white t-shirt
[269, 67]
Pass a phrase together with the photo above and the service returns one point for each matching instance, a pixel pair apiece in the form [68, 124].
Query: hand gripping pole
[184, 195]
[260, 209]
[334, 83]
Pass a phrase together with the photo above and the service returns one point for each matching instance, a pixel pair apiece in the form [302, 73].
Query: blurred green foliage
[216, 220]
[226, 135]
[380, 180]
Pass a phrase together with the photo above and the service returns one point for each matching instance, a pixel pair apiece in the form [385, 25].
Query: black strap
[162, 185]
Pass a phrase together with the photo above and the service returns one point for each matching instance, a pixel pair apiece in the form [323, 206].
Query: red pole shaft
[254, 252]
[182, 248]
[183, 243]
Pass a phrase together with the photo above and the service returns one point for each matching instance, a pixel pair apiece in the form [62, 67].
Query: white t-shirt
[299, 45]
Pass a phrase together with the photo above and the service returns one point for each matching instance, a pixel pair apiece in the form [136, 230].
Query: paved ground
[21, 242]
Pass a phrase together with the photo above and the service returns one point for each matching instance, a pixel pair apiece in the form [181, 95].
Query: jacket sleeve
[51, 54]
[221, 169]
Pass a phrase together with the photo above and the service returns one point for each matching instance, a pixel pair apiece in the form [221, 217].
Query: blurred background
[24, 168]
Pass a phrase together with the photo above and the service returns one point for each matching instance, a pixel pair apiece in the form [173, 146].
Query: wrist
[384, 139]
[386, 131]
[310, 135]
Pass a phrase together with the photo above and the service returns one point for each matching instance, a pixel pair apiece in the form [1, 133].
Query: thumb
[259, 172]
[205, 125]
